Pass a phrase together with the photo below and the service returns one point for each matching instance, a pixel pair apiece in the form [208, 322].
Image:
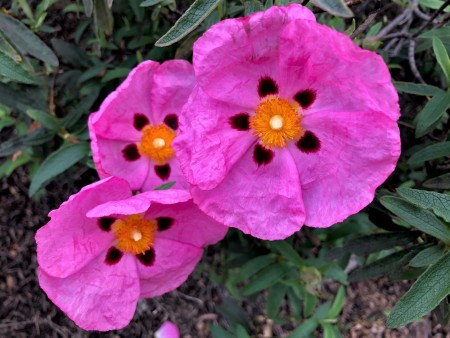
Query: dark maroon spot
[147, 258]
[240, 121]
[262, 155]
[267, 86]
[171, 120]
[309, 143]
[105, 223]
[164, 223]
[163, 171]
[305, 98]
[131, 152]
[140, 121]
[113, 256]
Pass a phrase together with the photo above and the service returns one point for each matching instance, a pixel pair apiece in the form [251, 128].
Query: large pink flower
[104, 249]
[132, 133]
[291, 123]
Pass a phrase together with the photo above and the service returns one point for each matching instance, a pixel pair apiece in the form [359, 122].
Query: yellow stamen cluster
[156, 143]
[276, 121]
[134, 234]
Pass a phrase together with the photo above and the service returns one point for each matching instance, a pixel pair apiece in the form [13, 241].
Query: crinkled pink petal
[95, 151]
[71, 240]
[115, 118]
[191, 225]
[207, 147]
[358, 152]
[231, 57]
[153, 180]
[174, 261]
[264, 201]
[345, 77]
[173, 81]
[167, 330]
[98, 297]
[112, 161]
[139, 203]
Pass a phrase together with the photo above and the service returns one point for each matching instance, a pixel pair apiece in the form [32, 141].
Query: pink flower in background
[168, 330]
[291, 123]
[104, 249]
[132, 133]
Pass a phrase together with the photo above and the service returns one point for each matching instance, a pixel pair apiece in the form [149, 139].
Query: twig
[361, 28]
[397, 21]
[445, 19]
[434, 16]
[412, 61]
[420, 14]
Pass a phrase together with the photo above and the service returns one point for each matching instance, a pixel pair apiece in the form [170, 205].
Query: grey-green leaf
[103, 16]
[432, 152]
[165, 186]
[88, 7]
[334, 7]
[287, 251]
[423, 220]
[252, 6]
[437, 202]
[439, 182]
[195, 14]
[417, 89]
[26, 41]
[265, 278]
[427, 256]
[275, 299]
[338, 303]
[13, 70]
[304, 330]
[425, 294]
[442, 57]
[432, 113]
[56, 163]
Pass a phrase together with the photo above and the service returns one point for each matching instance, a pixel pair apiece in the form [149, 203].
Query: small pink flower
[168, 330]
[104, 249]
[132, 133]
[291, 123]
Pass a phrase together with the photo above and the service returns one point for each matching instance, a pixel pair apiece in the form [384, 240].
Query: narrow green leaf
[287, 251]
[252, 6]
[232, 312]
[334, 7]
[338, 303]
[423, 220]
[26, 41]
[443, 32]
[304, 330]
[425, 294]
[442, 57]
[432, 152]
[437, 202]
[88, 7]
[309, 304]
[149, 3]
[218, 332]
[13, 70]
[9, 49]
[195, 14]
[427, 256]
[440, 182]
[265, 278]
[253, 266]
[241, 332]
[45, 119]
[442, 312]
[431, 113]
[103, 16]
[56, 163]
[275, 299]
[417, 89]
[330, 331]
[165, 186]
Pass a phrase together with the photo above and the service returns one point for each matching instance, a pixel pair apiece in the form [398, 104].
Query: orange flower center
[156, 143]
[277, 121]
[134, 234]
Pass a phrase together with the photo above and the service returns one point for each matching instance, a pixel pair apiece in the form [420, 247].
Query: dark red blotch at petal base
[309, 143]
[240, 121]
[163, 171]
[171, 121]
[267, 86]
[164, 223]
[147, 258]
[131, 152]
[262, 156]
[105, 223]
[305, 98]
[113, 256]
[140, 121]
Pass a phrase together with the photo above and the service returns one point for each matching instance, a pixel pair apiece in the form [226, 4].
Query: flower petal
[71, 240]
[263, 201]
[167, 330]
[175, 175]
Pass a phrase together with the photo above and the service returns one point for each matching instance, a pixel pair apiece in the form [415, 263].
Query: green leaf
[45, 119]
[417, 89]
[440, 182]
[438, 203]
[149, 3]
[252, 6]
[14, 144]
[443, 32]
[232, 312]
[56, 163]
[423, 220]
[88, 7]
[427, 256]
[241, 332]
[8, 49]
[195, 14]
[218, 332]
[330, 331]
[442, 312]
[338, 303]
[103, 16]
[442, 57]
[334, 7]
[431, 113]
[309, 304]
[253, 266]
[13, 70]
[275, 299]
[425, 294]
[26, 41]
[432, 152]
[304, 330]
[165, 186]
[287, 251]
[265, 278]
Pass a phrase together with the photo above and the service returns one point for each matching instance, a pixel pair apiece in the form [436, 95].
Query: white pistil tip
[276, 122]
[158, 143]
[137, 236]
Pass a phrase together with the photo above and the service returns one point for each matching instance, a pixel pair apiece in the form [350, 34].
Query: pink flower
[132, 133]
[168, 330]
[291, 123]
[103, 250]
